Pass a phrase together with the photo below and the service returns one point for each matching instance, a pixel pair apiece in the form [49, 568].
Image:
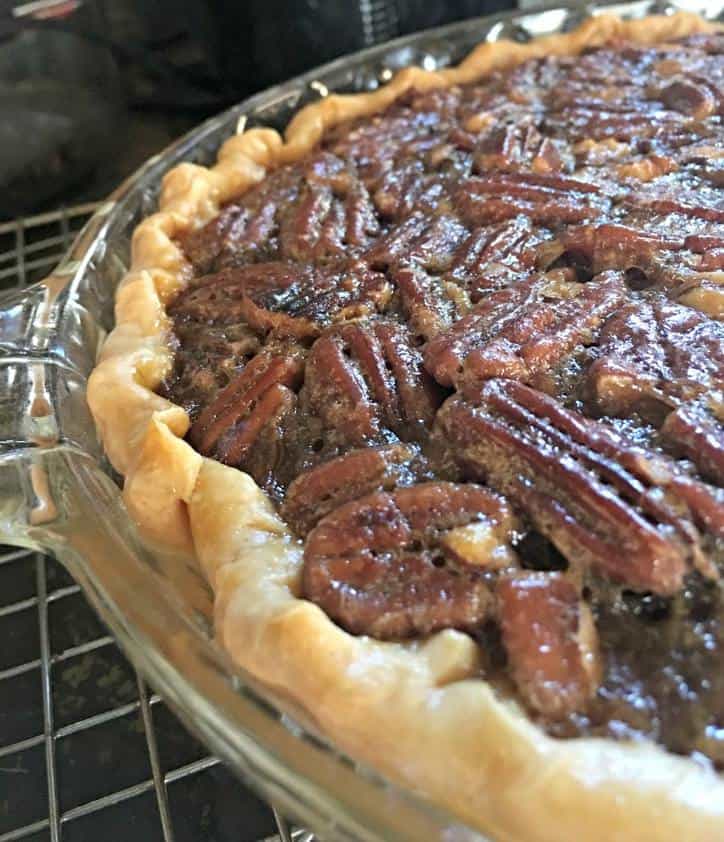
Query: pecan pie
[463, 337]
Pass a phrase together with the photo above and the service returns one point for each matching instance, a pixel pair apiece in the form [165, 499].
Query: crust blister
[482, 757]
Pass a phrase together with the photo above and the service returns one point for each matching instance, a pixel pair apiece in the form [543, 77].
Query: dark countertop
[104, 779]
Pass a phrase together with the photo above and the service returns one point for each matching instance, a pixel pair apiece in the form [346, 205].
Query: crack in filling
[473, 349]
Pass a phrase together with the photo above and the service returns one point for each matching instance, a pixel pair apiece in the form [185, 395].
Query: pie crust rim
[413, 711]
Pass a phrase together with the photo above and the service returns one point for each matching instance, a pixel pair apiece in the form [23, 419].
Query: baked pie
[433, 389]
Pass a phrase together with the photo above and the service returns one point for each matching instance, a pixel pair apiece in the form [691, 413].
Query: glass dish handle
[46, 434]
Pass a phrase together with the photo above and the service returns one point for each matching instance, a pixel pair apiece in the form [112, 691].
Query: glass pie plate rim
[57, 492]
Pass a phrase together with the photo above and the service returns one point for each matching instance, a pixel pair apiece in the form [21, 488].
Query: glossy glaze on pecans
[605, 505]
[515, 283]
[523, 331]
[395, 565]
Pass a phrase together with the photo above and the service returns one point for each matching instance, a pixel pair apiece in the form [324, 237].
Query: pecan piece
[381, 566]
[549, 200]
[654, 354]
[704, 292]
[363, 378]
[231, 425]
[596, 153]
[523, 330]
[649, 168]
[602, 503]
[710, 248]
[549, 636]
[317, 492]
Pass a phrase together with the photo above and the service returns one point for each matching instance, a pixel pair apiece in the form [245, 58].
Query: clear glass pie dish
[57, 492]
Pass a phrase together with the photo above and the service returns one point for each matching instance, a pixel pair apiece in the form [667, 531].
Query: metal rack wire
[82, 751]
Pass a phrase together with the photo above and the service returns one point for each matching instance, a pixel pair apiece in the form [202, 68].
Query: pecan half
[601, 121]
[523, 330]
[204, 245]
[667, 256]
[245, 230]
[381, 565]
[667, 206]
[317, 492]
[430, 304]
[683, 199]
[655, 354]
[549, 200]
[253, 403]
[495, 256]
[419, 240]
[390, 152]
[363, 378]
[689, 97]
[615, 246]
[604, 504]
[549, 636]
[333, 216]
[531, 81]
[694, 432]
[407, 187]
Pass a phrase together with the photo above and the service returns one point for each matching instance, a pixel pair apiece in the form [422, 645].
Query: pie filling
[470, 348]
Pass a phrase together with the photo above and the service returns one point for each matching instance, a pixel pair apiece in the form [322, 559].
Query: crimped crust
[414, 710]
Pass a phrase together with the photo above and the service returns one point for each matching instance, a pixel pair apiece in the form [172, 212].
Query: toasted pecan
[383, 565]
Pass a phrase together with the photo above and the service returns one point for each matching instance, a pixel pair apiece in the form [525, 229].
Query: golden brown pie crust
[414, 711]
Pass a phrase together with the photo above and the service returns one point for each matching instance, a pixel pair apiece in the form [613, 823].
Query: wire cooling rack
[87, 752]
